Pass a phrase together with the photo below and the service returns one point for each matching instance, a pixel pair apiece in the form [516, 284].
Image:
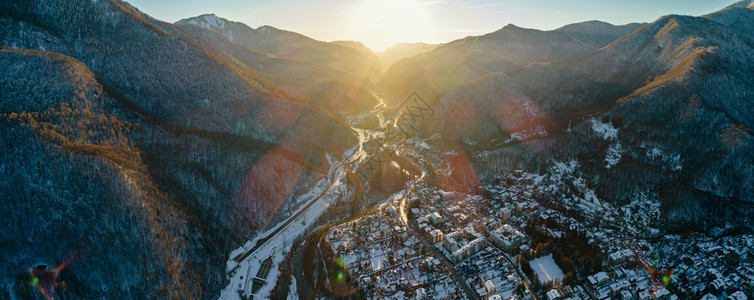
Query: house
[718, 285]
[553, 294]
[619, 257]
[616, 288]
[598, 279]
[565, 291]
[738, 296]
[709, 297]
[643, 295]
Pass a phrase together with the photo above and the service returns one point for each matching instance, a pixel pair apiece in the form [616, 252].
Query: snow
[378, 262]
[670, 160]
[213, 21]
[276, 247]
[546, 268]
[607, 130]
[292, 292]
[538, 131]
[614, 154]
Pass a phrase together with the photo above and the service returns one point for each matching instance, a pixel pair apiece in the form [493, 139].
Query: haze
[381, 23]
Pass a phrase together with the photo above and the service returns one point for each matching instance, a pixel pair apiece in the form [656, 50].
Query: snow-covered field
[546, 268]
[607, 130]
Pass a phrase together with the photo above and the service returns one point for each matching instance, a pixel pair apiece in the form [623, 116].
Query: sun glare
[382, 23]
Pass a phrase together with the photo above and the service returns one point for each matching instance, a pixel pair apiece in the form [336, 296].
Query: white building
[553, 294]
[507, 237]
[464, 243]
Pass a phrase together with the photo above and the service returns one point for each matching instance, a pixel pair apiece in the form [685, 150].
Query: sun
[382, 23]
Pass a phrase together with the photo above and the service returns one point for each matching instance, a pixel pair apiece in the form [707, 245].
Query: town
[514, 243]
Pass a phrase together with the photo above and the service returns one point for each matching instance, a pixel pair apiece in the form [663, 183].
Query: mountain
[505, 51]
[305, 80]
[736, 16]
[666, 109]
[404, 50]
[136, 155]
[293, 46]
[357, 46]
[281, 70]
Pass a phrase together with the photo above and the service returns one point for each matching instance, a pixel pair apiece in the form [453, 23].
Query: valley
[207, 159]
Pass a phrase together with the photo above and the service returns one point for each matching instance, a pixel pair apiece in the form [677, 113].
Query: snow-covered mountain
[680, 86]
[291, 45]
[505, 51]
[139, 153]
[132, 150]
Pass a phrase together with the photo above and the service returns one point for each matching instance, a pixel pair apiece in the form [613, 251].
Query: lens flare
[341, 262]
[340, 285]
[45, 279]
[459, 174]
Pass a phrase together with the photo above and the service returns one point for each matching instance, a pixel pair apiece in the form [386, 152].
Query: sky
[381, 23]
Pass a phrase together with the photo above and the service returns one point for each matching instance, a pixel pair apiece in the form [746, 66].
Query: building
[507, 237]
[436, 235]
[616, 288]
[435, 218]
[489, 287]
[739, 295]
[598, 279]
[565, 291]
[626, 295]
[619, 257]
[505, 213]
[244, 276]
[464, 243]
[553, 294]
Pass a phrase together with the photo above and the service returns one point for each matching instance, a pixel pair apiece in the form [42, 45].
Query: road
[336, 169]
[454, 274]
[459, 279]
[515, 267]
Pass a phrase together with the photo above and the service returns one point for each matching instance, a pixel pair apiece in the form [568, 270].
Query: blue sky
[381, 23]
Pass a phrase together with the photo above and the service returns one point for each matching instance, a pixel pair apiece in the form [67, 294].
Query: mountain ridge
[163, 130]
[291, 45]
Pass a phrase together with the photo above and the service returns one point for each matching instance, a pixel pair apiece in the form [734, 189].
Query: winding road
[338, 168]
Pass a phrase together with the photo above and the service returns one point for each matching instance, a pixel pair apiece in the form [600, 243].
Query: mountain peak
[744, 3]
[585, 27]
[267, 29]
[207, 21]
[511, 26]
[740, 4]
